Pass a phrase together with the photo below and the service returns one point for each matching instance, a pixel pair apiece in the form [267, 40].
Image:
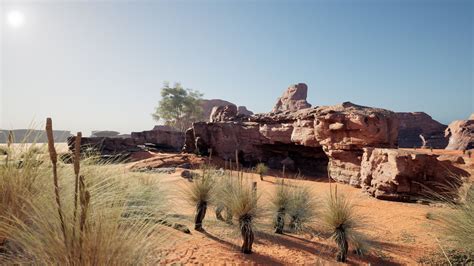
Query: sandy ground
[399, 233]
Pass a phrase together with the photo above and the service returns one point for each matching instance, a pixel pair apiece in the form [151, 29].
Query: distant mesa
[33, 136]
[293, 99]
[415, 126]
[207, 106]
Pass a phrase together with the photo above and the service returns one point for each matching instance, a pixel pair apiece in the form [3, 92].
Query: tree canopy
[179, 107]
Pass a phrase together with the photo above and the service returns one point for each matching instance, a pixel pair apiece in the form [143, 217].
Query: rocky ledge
[319, 140]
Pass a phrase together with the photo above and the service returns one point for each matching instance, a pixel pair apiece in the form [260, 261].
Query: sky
[99, 65]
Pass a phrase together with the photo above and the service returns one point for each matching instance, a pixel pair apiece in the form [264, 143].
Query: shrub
[199, 194]
[261, 169]
[281, 201]
[339, 217]
[38, 219]
[301, 208]
[242, 202]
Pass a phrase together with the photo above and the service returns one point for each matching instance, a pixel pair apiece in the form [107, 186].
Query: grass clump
[199, 193]
[242, 202]
[340, 218]
[261, 169]
[281, 202]
[44, 221]
[458, 224]
[301, 209]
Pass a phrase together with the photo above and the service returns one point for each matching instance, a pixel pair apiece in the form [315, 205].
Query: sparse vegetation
[242, 202]
[281, 202]
[340, 218]
[261, 169]
[458, 224]
[199, 194]
[179, 107]
[302, 208]
[38, 225]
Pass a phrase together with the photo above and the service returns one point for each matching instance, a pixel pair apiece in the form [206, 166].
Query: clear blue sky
[100, 65]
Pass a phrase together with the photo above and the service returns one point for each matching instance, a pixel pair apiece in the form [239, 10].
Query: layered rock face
[315, 139]
[461, 134]
[164, 138]
[293, 99]
[400, 175]
[418, 126]
[208, 105]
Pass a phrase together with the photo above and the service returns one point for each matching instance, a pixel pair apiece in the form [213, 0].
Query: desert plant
[280, 201]
[40, 230]
[339, 217]
[261, 169]
[302, 207]
[458, 224]
[199, 194]
[242, 202]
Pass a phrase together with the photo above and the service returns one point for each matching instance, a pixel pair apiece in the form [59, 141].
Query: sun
[15, 18]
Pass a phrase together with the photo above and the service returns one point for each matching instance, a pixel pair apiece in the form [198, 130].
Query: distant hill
[38, 136]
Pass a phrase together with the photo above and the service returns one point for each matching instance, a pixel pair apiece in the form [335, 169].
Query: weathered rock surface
[293, 99]
[164, 139]
[310, 137]
[461, 134]
[394, 174]
[416, 126]
[223, 113]
[208, 105]
[161, 161]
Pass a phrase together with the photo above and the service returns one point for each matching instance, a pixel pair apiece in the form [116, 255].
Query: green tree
[179, 107]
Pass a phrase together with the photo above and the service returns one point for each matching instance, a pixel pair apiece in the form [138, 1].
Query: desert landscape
[321, 133]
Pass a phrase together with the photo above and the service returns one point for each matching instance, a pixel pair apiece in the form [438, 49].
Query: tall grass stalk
[111, 228]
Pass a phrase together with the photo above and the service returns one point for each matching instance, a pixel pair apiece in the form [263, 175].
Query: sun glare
[15, 18]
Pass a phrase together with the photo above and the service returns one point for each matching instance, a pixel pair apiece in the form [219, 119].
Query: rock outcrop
[316, 139]
[293, 99]
[160, 139]
[461, 134]
[208, 105]
[393, 174]
[223, 113]
[418, 126]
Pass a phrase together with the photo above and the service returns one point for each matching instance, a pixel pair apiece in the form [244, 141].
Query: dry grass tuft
[38, 224]
[340, 218]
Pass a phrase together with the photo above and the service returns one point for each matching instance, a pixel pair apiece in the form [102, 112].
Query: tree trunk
[218, 211]
[200, 214]
[341, 241]
[247, 235]
[280, 221]
[229, 216]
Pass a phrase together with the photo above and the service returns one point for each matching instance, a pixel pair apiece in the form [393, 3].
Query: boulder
[418, 129]
[401, 175]
[223, 113]
[293, 99]
[461, 134]
[208, 105]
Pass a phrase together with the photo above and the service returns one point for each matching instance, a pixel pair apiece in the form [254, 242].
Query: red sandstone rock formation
[208, 105]
[394, 174]
[293, 99]
[414, 124]
[310, 137]
[461, 134]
